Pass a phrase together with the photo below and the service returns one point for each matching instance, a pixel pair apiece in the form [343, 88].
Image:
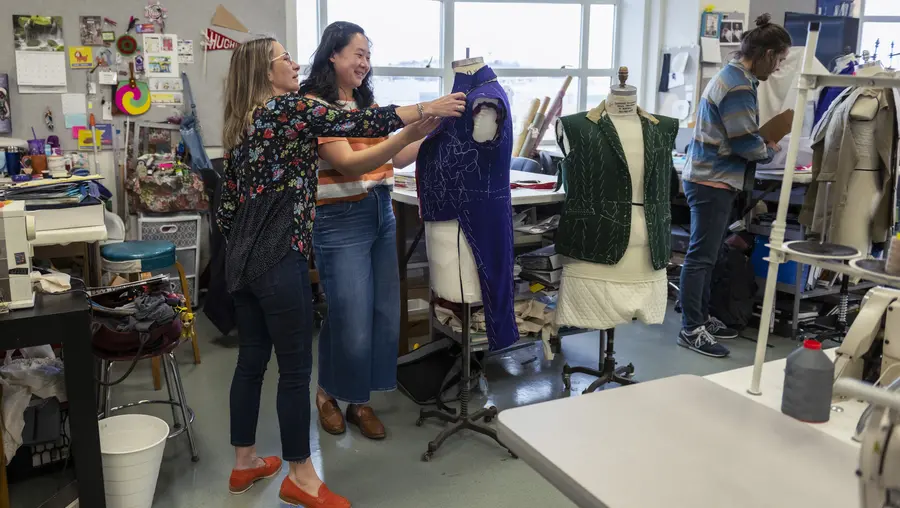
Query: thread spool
[892, 266]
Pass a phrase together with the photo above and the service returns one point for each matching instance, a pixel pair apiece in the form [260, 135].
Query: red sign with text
[216, 41]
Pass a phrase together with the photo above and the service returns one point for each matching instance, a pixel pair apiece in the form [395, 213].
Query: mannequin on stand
[462, 174]
[616, 222]
[451, 272]
[853, 173]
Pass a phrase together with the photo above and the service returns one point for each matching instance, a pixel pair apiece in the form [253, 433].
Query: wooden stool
[133, 259]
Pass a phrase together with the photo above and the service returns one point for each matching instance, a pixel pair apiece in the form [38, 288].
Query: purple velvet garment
[460, 179]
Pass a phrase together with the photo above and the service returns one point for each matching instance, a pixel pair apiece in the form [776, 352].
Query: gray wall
[187, 19]
[777, 8]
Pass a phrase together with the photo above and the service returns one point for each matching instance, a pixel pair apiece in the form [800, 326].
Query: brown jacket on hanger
[835, 158]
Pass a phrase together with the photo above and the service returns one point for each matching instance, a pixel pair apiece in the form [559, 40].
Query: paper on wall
[161, 55]
[41, 68]
[107, 77]
[74, 109]
[185, 51]
[710, 51]
[679, 62]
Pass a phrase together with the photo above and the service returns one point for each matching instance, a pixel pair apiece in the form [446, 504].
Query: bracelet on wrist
[421, 109]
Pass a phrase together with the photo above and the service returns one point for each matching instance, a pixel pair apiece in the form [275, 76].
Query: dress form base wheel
[607, 373]
[457, 423]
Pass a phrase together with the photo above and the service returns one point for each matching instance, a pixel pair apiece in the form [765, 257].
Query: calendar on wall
[41, 68]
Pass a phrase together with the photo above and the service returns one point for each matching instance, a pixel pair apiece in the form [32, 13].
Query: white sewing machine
[16, 233]
[878, 324]
[879, 458]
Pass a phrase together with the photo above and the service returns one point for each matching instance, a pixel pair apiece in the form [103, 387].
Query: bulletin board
[187, 20]
[680, 101]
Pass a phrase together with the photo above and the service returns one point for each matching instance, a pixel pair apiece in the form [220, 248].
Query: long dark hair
[763, 44]
[322, 80]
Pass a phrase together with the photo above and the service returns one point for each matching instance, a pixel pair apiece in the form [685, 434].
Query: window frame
[863, 19]
[447, 38]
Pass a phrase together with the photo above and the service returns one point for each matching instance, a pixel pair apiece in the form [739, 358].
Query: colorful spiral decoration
[133, 100]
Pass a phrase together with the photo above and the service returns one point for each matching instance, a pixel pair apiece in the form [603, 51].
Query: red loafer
[294, 496]
[242, 479]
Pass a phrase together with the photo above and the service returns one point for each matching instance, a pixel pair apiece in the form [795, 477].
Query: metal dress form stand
[463, 420]
[803, 252]
[607, 373]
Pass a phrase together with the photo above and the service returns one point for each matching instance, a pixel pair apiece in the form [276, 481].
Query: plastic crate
[787, 272]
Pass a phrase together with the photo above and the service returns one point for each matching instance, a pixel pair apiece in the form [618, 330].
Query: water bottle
[2, 161]
[808, 384]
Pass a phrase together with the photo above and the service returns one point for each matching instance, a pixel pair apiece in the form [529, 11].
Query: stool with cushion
[161, 343]
[135, 258]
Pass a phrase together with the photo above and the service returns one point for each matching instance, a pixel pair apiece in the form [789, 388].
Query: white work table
[519, 196]
[842, 424]
[680, 442]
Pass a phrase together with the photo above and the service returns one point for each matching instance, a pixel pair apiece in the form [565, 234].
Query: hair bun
[763, 20]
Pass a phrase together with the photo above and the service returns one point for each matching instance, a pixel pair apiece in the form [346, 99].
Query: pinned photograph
[710, 24]
[91, 30]
[731, 32]
[38, 33]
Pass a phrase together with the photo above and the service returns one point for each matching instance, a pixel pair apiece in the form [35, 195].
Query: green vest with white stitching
[596, 217]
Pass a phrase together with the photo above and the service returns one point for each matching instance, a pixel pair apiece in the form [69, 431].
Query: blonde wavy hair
[246, 87]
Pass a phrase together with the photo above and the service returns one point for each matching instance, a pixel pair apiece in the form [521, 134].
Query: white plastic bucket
[132, 448]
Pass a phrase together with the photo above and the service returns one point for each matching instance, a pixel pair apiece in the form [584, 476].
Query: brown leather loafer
[368, 423]
[331, 418]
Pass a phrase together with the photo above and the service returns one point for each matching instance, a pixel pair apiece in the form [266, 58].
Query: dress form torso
[450, 259]
[600, 296]
[864, 188]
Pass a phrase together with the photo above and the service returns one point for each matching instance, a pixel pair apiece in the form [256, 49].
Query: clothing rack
[806, 252]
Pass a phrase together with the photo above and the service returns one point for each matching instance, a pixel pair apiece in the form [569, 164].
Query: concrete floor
[468, 471]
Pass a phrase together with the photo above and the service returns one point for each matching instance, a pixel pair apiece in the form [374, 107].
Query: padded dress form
[598, 296]
[864, 189]
[460, 179]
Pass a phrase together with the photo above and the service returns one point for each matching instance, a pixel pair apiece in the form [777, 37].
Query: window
[881, 24]
[522, 39]
[531, 44]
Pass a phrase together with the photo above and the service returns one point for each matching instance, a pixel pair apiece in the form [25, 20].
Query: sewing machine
[871, 349]
[879, 458]
[16, 233]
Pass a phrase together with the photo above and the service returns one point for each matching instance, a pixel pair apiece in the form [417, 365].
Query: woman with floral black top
[266, 213]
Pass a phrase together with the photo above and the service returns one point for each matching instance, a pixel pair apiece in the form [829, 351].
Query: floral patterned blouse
[268, 198]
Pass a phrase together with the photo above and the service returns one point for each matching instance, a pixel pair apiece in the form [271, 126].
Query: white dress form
[864, 189]
[598, 296]
[451, 263]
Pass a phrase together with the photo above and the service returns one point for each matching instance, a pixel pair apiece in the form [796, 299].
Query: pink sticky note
[76, 130]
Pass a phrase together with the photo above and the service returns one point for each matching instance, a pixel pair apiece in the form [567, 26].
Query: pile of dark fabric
[733, 289]
[136, 318]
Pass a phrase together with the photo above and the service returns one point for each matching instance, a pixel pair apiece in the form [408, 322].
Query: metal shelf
[791, 289]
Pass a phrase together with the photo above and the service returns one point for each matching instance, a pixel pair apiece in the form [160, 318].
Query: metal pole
[776, 257]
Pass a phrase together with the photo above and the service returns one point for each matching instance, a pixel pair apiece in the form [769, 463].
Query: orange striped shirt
[335, 187]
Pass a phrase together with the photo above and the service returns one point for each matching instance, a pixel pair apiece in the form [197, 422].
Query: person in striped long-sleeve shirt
[722, 160]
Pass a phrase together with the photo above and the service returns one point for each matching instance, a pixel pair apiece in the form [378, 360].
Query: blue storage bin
[787, 272]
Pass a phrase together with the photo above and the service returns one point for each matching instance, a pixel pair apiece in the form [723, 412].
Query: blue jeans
[275, 310]
[710, 215]
[356, 255]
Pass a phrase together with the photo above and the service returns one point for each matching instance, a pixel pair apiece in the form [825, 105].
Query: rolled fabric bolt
[532, 140]
[892, 266]
[555, 108]
[532, 111]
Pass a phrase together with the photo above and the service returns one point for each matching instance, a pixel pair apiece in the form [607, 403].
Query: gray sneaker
[703, 342]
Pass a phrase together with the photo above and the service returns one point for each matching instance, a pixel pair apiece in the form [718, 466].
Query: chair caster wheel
[427, 456]
[420, 422]
[487, 419]
[195, 458]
